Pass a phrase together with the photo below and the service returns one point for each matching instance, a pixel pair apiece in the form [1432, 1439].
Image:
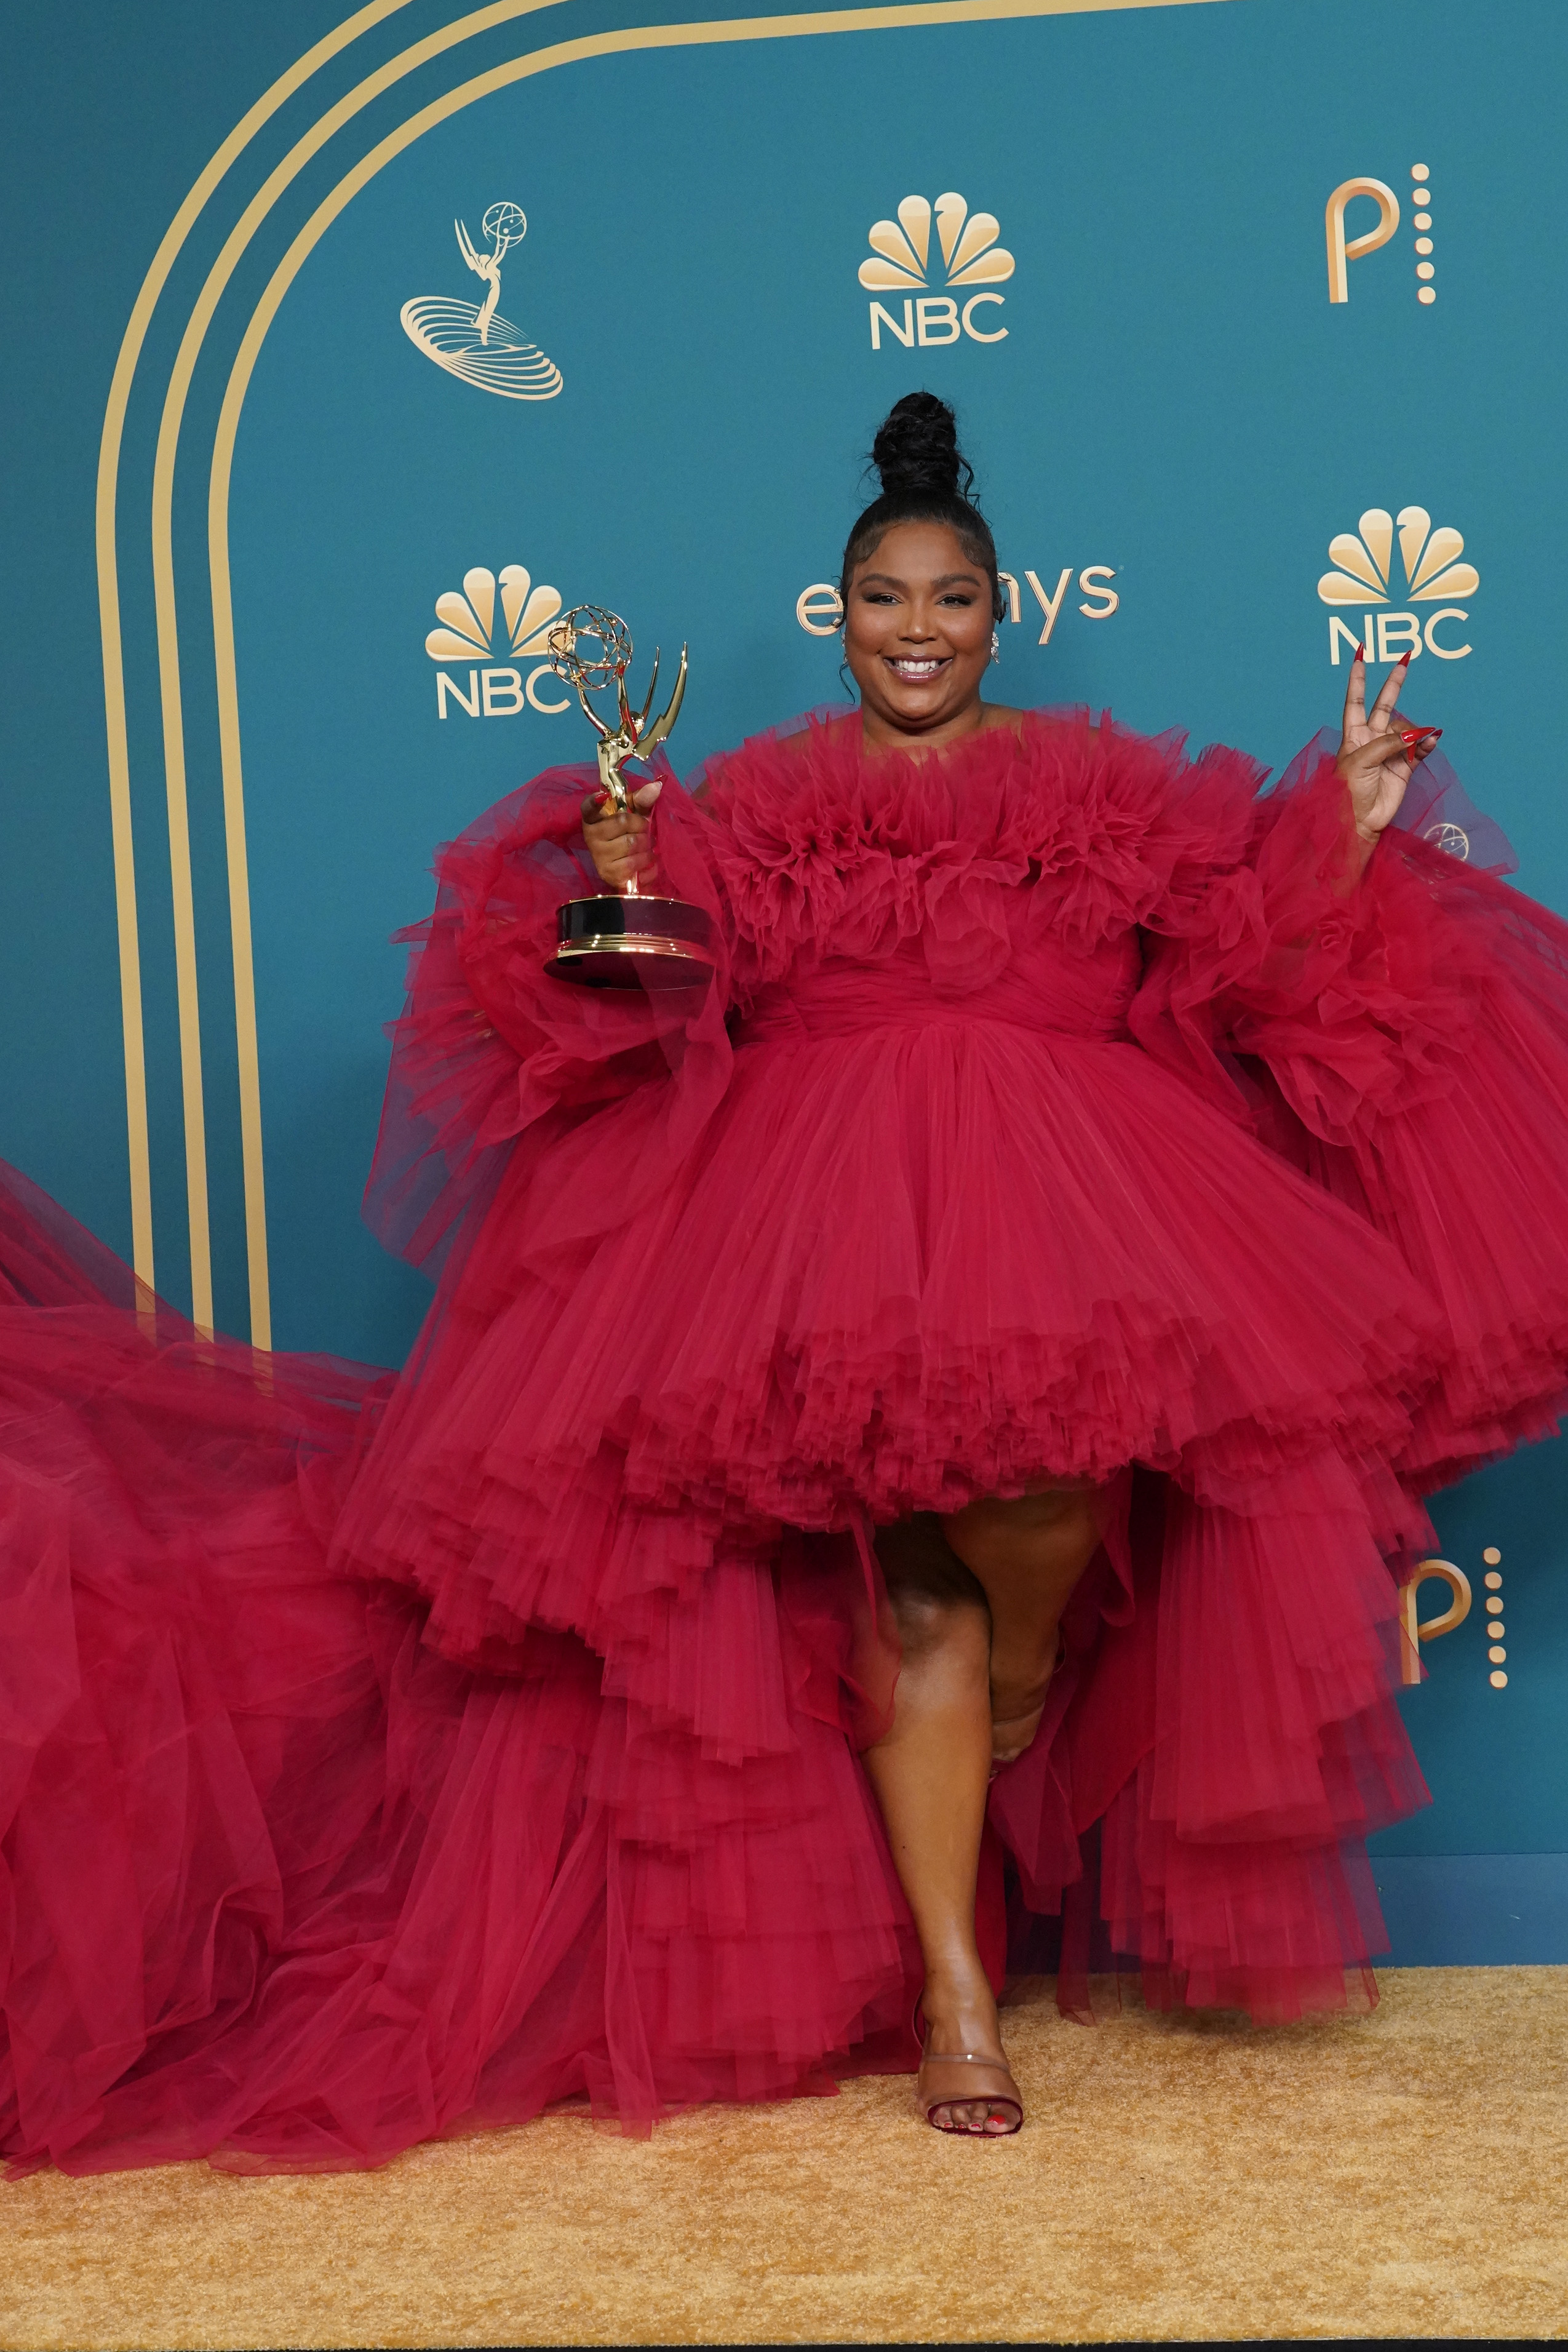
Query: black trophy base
[648, 943]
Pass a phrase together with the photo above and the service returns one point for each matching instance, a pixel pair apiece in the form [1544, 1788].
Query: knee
[939, 1607]
[952, 1629]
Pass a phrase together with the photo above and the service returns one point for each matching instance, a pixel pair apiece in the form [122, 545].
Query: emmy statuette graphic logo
[1342, 250]
[967, 255]
[493, 643]
[473, 339]
[1433, 575]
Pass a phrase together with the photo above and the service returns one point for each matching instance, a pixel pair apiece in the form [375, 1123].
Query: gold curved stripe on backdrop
[897, 17]
[108, 448]
[396, 69]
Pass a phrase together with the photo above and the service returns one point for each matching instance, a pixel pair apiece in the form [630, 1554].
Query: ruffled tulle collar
[823, 758]
[823, 843]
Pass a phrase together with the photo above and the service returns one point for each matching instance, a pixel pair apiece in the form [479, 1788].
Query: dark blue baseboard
[1474, 1910]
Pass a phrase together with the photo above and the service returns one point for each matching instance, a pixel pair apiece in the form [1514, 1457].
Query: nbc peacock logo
[966, 255]
[1434, 574]
[495, 644]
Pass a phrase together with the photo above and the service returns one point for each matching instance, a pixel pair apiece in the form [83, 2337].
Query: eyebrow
[943, 580]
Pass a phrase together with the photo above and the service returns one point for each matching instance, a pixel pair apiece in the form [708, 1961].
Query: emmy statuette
[632, 940]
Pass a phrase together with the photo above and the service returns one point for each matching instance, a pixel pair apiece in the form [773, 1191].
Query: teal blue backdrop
[1159, 394]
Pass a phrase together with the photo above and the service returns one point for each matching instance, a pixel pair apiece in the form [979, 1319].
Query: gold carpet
[1401, 2174]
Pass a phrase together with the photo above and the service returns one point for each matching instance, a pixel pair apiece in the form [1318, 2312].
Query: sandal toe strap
[996, 2066]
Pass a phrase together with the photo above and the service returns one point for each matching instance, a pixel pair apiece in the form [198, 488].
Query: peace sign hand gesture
[1378, 749]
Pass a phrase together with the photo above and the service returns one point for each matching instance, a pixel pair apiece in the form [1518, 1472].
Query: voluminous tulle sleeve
[488, 1043]
[1403, 1034]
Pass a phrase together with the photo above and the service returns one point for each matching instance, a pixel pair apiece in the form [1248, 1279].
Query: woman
[1001, 1333]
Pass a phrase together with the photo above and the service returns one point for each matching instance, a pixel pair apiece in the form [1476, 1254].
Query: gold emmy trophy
[631, 940]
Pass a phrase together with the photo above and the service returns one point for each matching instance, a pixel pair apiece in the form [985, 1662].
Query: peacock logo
[966, 255]
[472, 631]
[1364, 561]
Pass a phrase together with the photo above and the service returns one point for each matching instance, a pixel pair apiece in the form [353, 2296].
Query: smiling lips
[916, 669]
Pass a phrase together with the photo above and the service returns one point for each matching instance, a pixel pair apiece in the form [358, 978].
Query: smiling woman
[918, 633]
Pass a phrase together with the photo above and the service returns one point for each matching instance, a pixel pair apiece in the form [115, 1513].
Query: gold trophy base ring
[650, 943]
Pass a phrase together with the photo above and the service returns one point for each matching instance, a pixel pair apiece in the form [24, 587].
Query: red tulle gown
[381, 1759]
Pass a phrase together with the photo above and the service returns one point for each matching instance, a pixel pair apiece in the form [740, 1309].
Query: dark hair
[926, 477]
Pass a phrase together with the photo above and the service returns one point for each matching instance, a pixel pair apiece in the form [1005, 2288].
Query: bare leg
[1025, 1556]
[930, 1774]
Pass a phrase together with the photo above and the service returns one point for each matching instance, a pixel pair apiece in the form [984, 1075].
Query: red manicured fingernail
[1359, 655]
[1411, 736]
[1404, 661]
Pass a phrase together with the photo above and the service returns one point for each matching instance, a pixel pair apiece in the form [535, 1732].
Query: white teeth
[908, 668]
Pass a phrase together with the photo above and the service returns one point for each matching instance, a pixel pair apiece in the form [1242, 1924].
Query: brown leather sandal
[1005, 2105]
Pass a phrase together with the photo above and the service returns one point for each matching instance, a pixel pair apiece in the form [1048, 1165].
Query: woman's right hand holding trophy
[618, 838]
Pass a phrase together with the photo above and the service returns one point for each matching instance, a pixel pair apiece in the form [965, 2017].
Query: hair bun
[917, 450]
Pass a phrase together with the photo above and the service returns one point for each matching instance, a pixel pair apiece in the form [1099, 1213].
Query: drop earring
[995, 645]
[844, 664]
